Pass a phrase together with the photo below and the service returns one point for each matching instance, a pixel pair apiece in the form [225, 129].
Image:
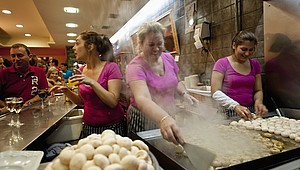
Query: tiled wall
[222, 16]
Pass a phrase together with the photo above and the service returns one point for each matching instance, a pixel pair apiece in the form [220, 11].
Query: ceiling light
[71, 10]
[113, 15]
[71, 41]
[19, 26]
[105, 27]
[71, 34]
[28, 35]
[5, 11]
[150, 9]
[71, 25]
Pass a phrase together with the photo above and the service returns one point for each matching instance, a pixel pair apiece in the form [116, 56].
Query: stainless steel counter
[37, 122]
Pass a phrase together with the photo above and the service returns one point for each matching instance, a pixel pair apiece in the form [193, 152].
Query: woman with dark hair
[99, 85]
[236, 80]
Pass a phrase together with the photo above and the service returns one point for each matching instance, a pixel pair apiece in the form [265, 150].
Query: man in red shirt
[21, 79]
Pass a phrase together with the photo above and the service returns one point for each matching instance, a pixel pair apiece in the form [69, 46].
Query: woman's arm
[111, 96]
[258, 94]
[144, 102]
[218, 95]
[74, 97]
[32, 100]
[51, 82]
[223, 99]
[181, 89]
[260, 108]
[216, 81]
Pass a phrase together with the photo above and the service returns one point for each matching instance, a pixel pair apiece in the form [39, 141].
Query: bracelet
[185, 92]
[163, 119]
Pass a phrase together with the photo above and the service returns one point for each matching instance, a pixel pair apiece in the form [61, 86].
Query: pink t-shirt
[97, 113]
[14, 85]
[237, 86]
[162, 88]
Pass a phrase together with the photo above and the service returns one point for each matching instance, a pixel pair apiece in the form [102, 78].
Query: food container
[106, 150]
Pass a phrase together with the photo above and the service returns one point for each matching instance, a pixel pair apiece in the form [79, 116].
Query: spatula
[201, 158]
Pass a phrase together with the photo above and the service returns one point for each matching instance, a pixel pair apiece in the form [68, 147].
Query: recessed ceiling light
[71, 25]
[113, 15]
[5, 11]
[71, 10]
[71, 34]
[105, 27]
[19, 26]
[71, 41]
[28, 35]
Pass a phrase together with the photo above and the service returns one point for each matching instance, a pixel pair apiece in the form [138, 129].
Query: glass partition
[282, 51]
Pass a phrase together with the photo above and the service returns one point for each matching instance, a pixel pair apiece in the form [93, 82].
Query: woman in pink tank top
[236, 80]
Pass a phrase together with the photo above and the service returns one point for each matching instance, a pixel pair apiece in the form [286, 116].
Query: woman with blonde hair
[54, 78]
[152, 77]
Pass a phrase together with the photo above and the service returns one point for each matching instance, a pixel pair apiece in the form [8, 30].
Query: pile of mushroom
[286, 127]
[106, 151]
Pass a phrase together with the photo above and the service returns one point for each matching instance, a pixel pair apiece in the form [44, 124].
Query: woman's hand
[260, 109]
[82, 79]
[58, 89]
[27, 103]
[190, 99]
[170, 130]
[3, 110]
[51, 81]
[244, 112]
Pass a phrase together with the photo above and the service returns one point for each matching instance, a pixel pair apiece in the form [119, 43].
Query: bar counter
[38, 123]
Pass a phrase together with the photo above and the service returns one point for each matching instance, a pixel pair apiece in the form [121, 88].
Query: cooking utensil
[201, 158]
[276, 108]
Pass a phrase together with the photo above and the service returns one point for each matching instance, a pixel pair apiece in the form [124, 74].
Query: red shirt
[13, 84]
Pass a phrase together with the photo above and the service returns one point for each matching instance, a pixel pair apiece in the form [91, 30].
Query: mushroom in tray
[112, 151]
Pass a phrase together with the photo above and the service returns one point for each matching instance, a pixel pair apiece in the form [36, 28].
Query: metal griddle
[168, 159]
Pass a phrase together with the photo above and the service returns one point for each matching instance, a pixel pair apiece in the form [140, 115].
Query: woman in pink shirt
[236, 79]
[99, 85]
[152, 79]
